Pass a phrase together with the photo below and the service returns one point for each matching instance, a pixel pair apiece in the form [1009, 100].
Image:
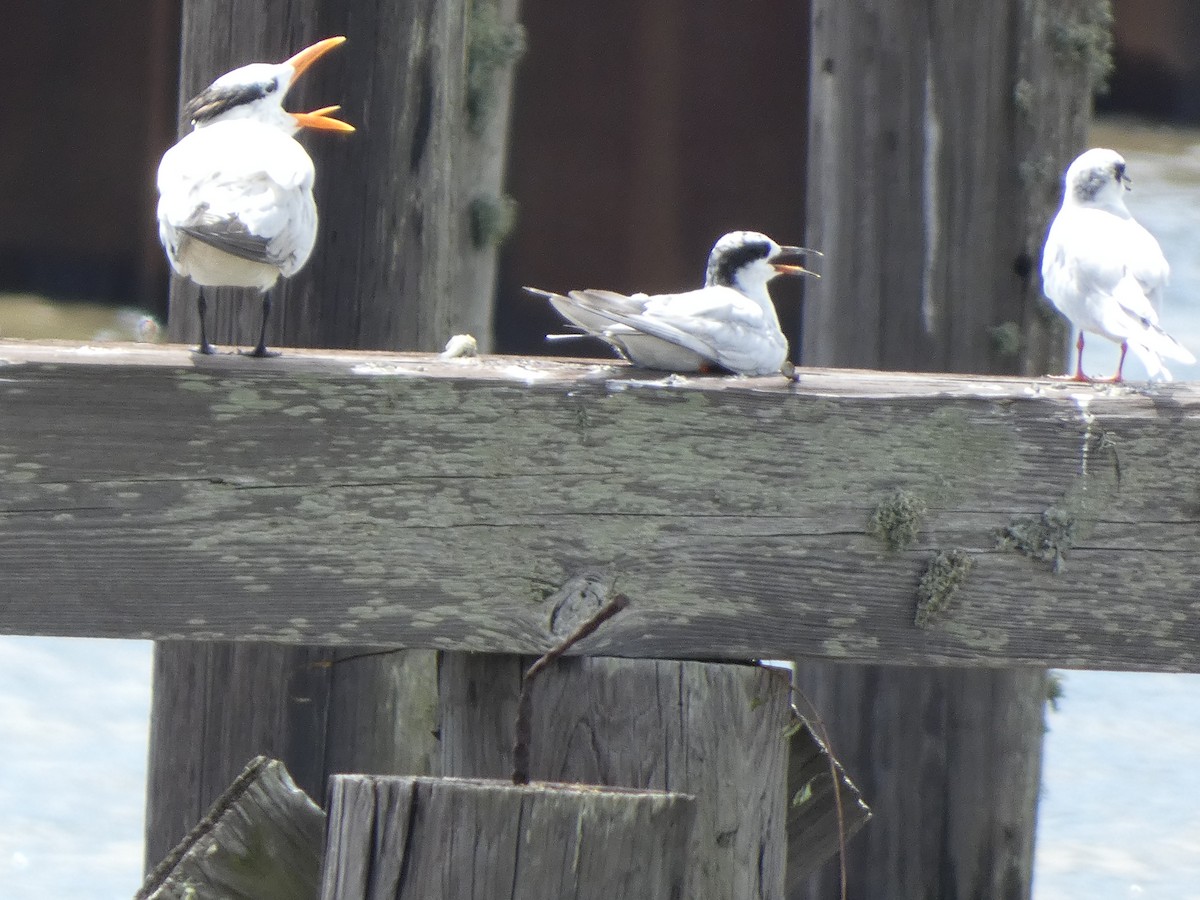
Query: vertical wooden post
[714, 731]
[397, 265]
[396, 838]
[938, 135]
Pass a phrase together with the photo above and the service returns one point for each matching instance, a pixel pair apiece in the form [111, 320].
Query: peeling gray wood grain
[932, 177]
[199, 702]
[917, 789]
[262, 840]
[323, 710]
[717, 732]
[395, 838]
[400, 500]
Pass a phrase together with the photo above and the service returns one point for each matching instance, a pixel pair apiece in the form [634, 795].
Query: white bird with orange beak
[730, 323]
[235, 205]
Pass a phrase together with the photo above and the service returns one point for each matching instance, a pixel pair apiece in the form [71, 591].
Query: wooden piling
[939, 132]
[413, 838]
[397, 263]
[715, 731]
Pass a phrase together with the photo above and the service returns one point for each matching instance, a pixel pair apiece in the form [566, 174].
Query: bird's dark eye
[272, 87]
[1120, 169]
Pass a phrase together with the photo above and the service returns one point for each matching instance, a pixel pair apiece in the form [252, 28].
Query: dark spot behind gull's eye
[1090, 183]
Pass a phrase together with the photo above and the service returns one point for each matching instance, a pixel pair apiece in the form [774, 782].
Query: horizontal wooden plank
[388, 499]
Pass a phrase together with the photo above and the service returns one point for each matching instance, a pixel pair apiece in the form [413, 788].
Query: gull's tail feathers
[1155, 370]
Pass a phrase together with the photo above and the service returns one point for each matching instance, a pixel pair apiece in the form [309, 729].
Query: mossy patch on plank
[947, 571]
[897, 519]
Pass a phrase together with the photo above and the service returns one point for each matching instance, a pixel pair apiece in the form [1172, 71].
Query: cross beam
[488, 504]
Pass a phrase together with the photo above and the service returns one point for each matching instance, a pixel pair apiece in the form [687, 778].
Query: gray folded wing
[230, 234]
[619, 321]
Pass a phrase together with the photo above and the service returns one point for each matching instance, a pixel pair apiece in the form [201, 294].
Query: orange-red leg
[1079, 376]
[1117, 377]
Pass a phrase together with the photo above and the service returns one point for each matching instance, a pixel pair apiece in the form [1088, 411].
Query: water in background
[1119, 816]
[1164, 165]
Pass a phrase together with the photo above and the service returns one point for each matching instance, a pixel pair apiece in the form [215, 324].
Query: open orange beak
[310, 55]
[784, 269]
[320, 119]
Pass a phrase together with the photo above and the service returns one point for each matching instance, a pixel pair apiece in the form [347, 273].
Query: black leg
[202, 307]
[261, 349]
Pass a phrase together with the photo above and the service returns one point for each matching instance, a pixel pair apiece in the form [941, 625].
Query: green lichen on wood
[804, 795]
[1024, 96]
[1006, 339]
[947, 571]
[897, 519]
[1047, 537]
[492, 220]
[493, 46]
[1036, 173]
[1054, 689]
[1086, 43]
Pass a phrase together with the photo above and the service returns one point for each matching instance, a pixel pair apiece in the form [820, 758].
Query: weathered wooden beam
[262, 840]
[403, 500]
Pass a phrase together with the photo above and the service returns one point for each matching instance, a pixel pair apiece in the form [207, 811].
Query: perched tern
[729, 323]
[235, 205]
[1104, 271]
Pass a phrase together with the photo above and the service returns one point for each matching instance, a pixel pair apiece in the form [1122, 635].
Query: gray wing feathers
[618, 321]
[230, 234]
[628, 311]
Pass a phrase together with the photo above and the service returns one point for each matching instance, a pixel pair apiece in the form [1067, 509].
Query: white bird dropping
[235, 202]
[729, 323]
[1104, 271]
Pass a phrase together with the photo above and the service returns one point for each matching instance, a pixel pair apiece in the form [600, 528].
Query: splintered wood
[261, 840]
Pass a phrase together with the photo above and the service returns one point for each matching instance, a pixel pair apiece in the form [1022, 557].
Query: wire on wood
[520, 773]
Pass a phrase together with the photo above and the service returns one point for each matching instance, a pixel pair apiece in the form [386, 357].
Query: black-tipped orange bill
[310, 55]
[784, 269]
[321, 120]
[797, 251]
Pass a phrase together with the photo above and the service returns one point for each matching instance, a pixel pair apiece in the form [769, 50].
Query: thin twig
[351, 657]
[523, 729]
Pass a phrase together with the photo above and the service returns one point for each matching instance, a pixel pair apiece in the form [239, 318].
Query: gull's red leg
[1078, 376]
[1118, 377]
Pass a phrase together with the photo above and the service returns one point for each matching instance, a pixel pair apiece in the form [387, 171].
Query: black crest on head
[726, 264]
[211, 102]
